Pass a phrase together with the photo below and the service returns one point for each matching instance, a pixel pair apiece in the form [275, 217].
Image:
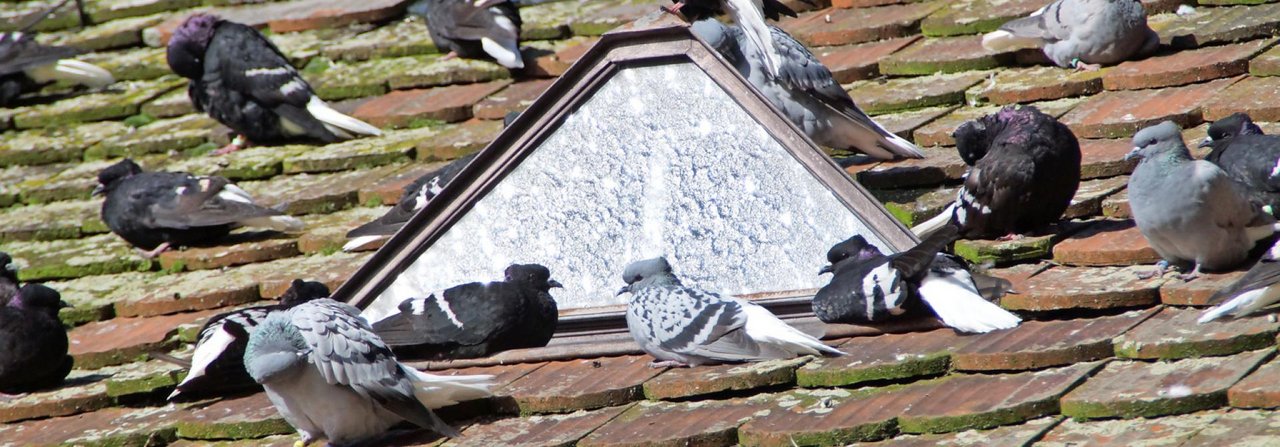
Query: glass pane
[659, 161]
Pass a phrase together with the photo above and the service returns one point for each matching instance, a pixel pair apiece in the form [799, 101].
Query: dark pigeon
[870, 287]
[1257, 289]
[33, 343]
[242, 80]
[25, 64]
[1248, 156]
[155, 211]
[217, 365]
[1024, 170]
[474, 28]
[748, 14]
[476, 319]
[8, 278]
[415, 197]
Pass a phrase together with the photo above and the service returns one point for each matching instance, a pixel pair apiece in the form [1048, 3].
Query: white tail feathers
[361, 242]
[505, 53]
[72, 70]
[900, 146]
[288, 224]
[204, 355]
[750, 17]
[766, 329]
[936, 222]
[957, 303]
[1242, 304]
[336, 122]
[1002, 41]
[441, 391]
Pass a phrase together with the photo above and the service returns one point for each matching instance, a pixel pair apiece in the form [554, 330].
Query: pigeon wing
[241, 59]
[1051, 23]
[24, 52]
[997, 184]
[203, 202]
[463, 20]
[1230, 208]
[915, 263]
[699, 323]
[469, 314]
[1264, 274]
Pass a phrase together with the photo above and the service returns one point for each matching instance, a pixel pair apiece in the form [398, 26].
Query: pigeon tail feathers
[336, 122]
[1242, 304]
[362, 242]
[751, 19]
[766, 329]
[959, 306]
[936, 223]
[72, 70]
[436, 391]
[1000, 41]
[287, 224]
[505, 53]
[898, 145]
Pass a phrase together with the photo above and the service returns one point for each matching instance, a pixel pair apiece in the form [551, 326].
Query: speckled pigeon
[25, 64]
[473, 28]
[330, 377]
[33, 343]
[748, 14]
[8, 278]
[686, 326]
[1081, 33]
[868, 287]
[1190, 210]
[1024, 170]
[242, 80]
[217, 365]
[156, 211]
[806, 92]
[415, 197]
[1248, 156]
[476, 319]
[1258, 288]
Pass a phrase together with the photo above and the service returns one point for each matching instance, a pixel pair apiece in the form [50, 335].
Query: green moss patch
[1004, 252]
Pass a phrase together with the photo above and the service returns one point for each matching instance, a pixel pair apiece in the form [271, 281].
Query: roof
[1105, 358]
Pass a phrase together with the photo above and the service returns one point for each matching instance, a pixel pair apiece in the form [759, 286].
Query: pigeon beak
[624, 289]
[825, 269]
[63, 304]
[1132, 154]
[553, 284]
[97, 190]
[1206, 142]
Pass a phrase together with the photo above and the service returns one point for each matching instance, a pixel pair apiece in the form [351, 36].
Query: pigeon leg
[1187, 277]
[451, 55]
[668, 364]
[154, 252]
[6, 396]
[1081, 66]
[1157, 272]
[237, 143]
[672, 9]
[1010, 237]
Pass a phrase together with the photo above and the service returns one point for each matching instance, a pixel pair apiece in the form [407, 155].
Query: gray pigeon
[1258, 288]
[1190, 210]
[1081, 33]
[685, 326]
[330, 377]
[805, 91]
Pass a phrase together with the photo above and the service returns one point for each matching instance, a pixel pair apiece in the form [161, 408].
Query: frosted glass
[659, 161]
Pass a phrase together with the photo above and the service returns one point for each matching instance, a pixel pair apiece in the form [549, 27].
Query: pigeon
[33, 343]
[242, 80]
[1083, 34]
[472, 28]
[686, 326]
[1190, 211]
[25, 64]
[476, 319]
[8, 278]
[217, 365]
[750, 15]
[155, 211]
[1258, 288]
[869, 287]
[415, 197]
[1247, 156]
[1024, 168]
[331, 377]
[805, 92]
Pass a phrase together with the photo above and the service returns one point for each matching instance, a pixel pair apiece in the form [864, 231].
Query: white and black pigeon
[8, 278]
[331, 377]
[25, 64]
[476, 319]
[415, 197]
[806, 92]
[1247, 155]
[474, 28]
[217, 365]
[155, 211]
[1190, 211]
[748, 14]
[242, 80]
[1024, 168]
[687, 326]
[1257, 289]
[869, 287]
[33, 343]
[1083, 34]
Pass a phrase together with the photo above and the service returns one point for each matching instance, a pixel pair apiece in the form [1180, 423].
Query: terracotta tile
[566, 386]
[449, 104]
[827, 417]
[1117, 206]
[1083, 288]
[1105, 158]
[838, 26]
[458, 140]
[913, 206]
[187, 292]
[315, 193]
[894, 95]
[706, 423]
[327, 233]
[250, 416]
[1266, 64]
[388, 191]
[988, 251]
[1041, 344]
[318, 14]
[860, 61]
[571, 54]
[1139, 389]
[1240, 428]
[1174, 334]
[237, 249]
[82, 391]
[274, 277]
[1258, 390]
[1013, 435]
[120, 340]
[515, 98]
[1211, 26]
[1023, 85]
[939, 165]
[1248, 96]
[503, 375]
[112, 426]
[539, 430]
[1090, 194]
[685, 382]
[884, 357]
[904, 124]
[599, 20]
[938, 132]
[865, 3]
[976, 16]
[1184, 67]
[1118, 114]
[1166, 431]
[945, 55]
[1197, 292]
[1106, 242]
